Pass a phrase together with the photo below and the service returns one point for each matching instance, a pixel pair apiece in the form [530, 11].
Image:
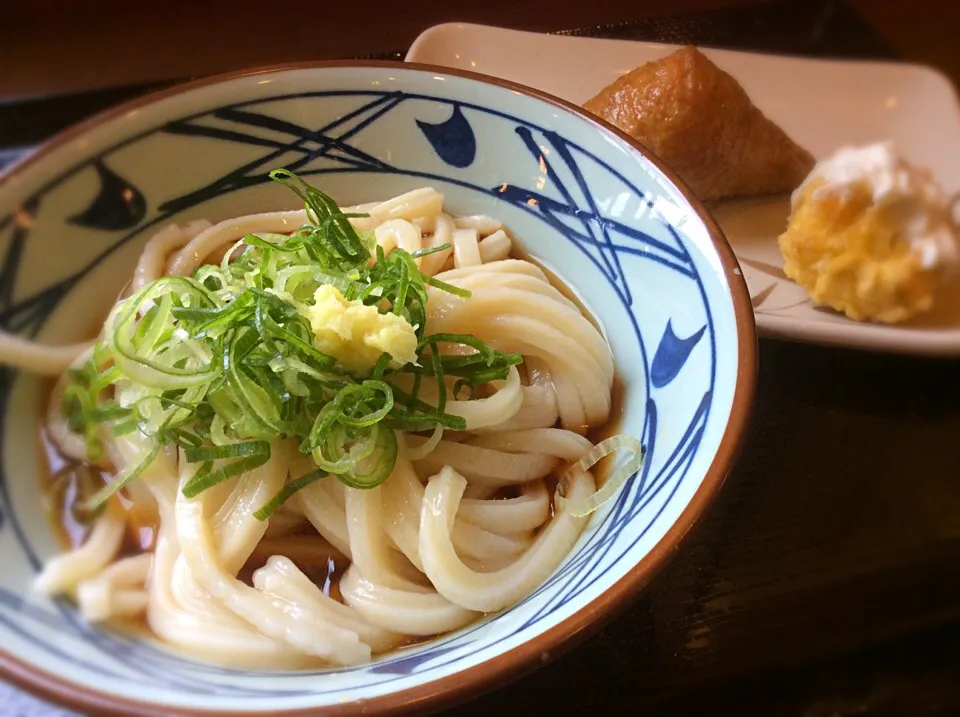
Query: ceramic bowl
[642, 254]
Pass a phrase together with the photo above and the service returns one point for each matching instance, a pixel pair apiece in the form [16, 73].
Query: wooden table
[68, 46]
[826, 579]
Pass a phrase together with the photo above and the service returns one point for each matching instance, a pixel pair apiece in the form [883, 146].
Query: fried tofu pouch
[701, 123]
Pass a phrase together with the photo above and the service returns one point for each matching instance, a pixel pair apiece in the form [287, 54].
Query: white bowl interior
[577, 197]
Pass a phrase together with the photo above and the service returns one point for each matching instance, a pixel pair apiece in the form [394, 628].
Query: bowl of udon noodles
[347, 387]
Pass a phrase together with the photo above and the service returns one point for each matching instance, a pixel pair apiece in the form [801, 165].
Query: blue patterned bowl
[636, 246]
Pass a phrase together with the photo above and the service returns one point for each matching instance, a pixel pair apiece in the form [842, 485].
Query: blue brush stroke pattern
[601, 239]
[672, 354]
[118, 205]
[329, 141]
[453, 139]
[407, 664]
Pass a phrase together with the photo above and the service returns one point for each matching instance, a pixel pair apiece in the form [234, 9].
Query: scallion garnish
[226, 361]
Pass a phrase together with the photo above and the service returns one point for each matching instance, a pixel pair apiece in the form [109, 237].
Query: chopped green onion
[380, 463]
[473, 342]
[271, 506]
[109, 411]
[224, 362]
[614, 481]
[235, 450]
[427, 252]
[437, 365]
[207, 478]
[449, 288]
[97, 500]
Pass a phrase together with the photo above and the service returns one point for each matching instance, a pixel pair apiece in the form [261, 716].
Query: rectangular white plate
[822, 104]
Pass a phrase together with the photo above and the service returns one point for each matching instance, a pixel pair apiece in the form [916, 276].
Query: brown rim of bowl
[510, 665]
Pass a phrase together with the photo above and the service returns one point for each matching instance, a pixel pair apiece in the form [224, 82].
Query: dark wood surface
[825, 581]
[70, 45]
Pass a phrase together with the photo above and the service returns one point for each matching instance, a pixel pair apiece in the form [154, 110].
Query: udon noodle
[489, 484]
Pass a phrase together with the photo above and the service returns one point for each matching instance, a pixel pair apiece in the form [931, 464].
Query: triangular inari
[701, 123]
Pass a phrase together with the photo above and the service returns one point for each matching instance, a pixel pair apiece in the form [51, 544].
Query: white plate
[822, 104]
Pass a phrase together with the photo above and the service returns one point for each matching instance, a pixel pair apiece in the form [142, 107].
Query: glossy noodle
[341, 453]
